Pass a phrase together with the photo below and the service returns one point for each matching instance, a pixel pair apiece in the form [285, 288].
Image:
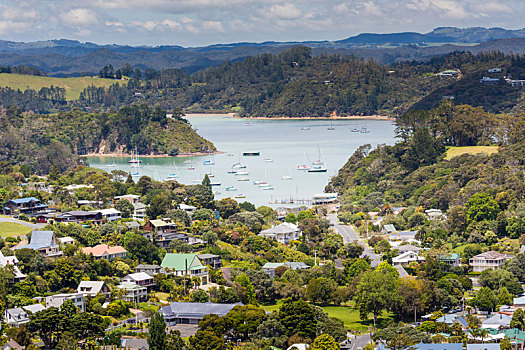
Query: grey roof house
[192, 313]
[45, 242]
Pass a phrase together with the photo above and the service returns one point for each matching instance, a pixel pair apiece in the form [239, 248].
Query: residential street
[24, 223]
[350, 235]
[360, 341]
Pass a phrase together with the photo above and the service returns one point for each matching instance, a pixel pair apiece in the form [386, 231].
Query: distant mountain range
[69, 57]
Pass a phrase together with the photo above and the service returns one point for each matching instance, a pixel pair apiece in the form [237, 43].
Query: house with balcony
[45, 242]
[27, 205]
[12, 261]
[139, 211]
[489, 260]
[185, 265]
[79, 216]
[151, 270]
[105, 251]
[212, 260]
[160, 227]
[406, 258]
[58, 299]
[17, 316]
[133, 293]
[139, 278]
[453, 259]
[283, 233]
[191, 313]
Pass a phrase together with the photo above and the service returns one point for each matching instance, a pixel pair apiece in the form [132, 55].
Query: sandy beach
[124, 155]
[332, 117]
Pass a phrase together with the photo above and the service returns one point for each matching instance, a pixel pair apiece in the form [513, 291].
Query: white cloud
[79, 17]
[282, 11]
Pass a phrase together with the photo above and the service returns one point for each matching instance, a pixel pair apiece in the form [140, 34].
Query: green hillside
[73, 86]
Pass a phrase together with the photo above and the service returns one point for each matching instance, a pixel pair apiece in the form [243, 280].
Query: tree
[320, 290]
[46, 324]
[422, 150]
[125, 207]
[377, 290]
[247, 206]
[297, 317]
[174, 341]
[324, 342]
[157, 206]
[481, 206]
[412, 291]
[400, 337]
[200, 296]
[157, 332]
[485, 299]
[206, 340]
[210, 238]
[203, 214]
[518, 320]
[179, 215]
[227, 207]
[494, 279]
[291, 218]
[504, 297]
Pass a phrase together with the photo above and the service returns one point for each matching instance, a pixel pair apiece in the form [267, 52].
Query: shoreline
[124, 155]
[338, 117]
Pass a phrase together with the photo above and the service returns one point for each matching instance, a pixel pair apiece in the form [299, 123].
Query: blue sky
[203, 22]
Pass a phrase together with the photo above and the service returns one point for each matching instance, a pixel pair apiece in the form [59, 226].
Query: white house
[406, 258]
[92, 288]
[20, 315]
[66, 240]
[434, 214]
[58, 299]
[388, 229]
[139, 278]
[139, 211]
[134, 293]
[12, 261]
[110, 214]
[488, 260]
[187, 208]
[497, 321]
[282, 233]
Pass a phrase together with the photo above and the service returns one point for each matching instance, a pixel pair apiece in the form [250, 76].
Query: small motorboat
[243, 178]
[241, 173]
[286, 177]
[135, 174]
[191, 168]
[268, 160]
[208, 162]
[231, 188]
[303, 167]
[240, 195]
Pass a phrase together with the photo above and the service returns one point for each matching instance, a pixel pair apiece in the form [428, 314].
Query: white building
[92, 288]
[488, 260]
[19, 315]
[110, 214]
[134, 293]
[58, 299]
[12, 261]
[139, 211]
[282, 233]
[139, 278]
[406, 258]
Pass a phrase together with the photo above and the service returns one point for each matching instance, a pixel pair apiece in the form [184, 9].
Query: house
[134, 293]
[139, 278]
[45, 242]
[185, 265]
[453, 259]
[105, 251]
[12, 261]
[135, 344]
[432, 346]
[406, 258]
[388, 229]
[324, 198]
[448, 73]
[513, 82]
[191, 313]
[190, 209]
[163, 240]
[27, 205]
[212, 260]
[434, 214]
[66, 240]
[20, 315]
[494, 70]
[489, 81]
[497, 321]
[151, 270]
[298, 346]
[519, 302]
[132, 198]
[283, 233]
[408, 248]
[58, 299]
[132, 225]
[139, 211]
[109, 215]
[269, 268]
[488, 260]
[160, 227]
[404, 236]
[93, 288]
[79, 216]
[12, 345]
[44, 218]
[450, 319]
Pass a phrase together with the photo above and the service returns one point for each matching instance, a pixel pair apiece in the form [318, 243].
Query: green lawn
[348, 315]
[73, 86]
[11, 229]
[457, 151]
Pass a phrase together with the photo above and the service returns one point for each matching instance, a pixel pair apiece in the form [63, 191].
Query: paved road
[360, 342]
[350, 235]
[21, 222]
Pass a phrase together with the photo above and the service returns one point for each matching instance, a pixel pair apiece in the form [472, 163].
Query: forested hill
[415, 171]
[40, 141]
[297, 84]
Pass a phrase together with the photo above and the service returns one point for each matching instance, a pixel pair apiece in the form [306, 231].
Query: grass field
[348, 315]
[73, 86]
[457, 151]
[11, 229]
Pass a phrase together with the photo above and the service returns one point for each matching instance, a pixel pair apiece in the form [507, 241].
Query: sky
[204, 22]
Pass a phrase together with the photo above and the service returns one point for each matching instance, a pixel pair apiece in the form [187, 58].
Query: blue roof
[25, 200]
[39, 240]
[447, 346]
[451, 319]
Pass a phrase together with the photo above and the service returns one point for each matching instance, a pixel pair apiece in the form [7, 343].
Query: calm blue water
[282, 141]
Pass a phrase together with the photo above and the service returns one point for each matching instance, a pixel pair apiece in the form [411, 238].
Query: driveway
[350, 235]
[360, 342]
[21, 222]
